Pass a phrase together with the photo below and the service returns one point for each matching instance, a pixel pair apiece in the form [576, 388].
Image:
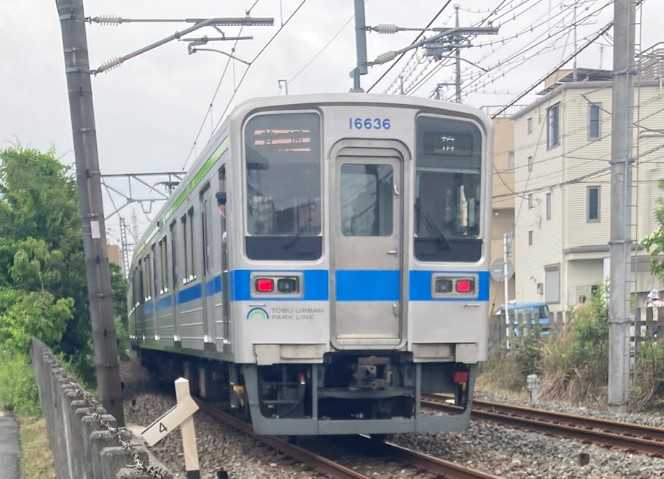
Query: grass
[36, 456]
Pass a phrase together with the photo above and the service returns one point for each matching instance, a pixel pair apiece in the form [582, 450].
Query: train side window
[204, 229]
[185, 248]
[154, 291]
[163, 266]
[190, 242]
[174, 271]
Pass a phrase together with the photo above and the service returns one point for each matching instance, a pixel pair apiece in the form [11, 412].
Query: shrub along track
[407, 458]
[627, 436]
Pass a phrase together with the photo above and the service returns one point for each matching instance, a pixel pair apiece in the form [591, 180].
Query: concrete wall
[85, 441]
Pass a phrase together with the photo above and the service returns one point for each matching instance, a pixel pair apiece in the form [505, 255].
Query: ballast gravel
[219, 447]
[517, 453]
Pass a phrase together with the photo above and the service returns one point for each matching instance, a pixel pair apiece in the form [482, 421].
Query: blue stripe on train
[376, 285]
[352, 285]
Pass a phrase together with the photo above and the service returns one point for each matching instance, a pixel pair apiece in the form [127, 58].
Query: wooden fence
[647, 325]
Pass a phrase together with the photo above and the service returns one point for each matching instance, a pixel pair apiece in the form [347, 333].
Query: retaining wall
[85, 440]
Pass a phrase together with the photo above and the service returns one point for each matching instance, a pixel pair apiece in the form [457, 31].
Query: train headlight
[288, 285]
[264, 285]
[444, 285]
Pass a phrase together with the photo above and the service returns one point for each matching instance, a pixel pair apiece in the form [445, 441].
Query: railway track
[630, 437]
[439, 468]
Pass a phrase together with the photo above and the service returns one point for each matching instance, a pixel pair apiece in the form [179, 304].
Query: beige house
[503, 201]
[562, 145]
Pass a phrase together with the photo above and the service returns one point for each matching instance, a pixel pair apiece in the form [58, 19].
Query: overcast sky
[149, 109]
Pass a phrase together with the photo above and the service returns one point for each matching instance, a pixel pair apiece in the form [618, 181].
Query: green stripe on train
[192, 184]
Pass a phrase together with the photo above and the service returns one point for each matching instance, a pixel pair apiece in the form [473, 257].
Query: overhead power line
[417, 38]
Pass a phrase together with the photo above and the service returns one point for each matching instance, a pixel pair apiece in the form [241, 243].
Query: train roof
[247, 106]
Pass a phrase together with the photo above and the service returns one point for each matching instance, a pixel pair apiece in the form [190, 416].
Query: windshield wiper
[442, 241]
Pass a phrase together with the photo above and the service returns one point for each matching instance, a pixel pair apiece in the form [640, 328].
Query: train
[324, 265]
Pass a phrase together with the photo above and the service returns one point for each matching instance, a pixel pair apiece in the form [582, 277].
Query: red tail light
[464, 286]
[264, 285]
[460, 377]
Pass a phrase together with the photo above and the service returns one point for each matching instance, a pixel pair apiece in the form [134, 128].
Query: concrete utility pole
[457, 60]
[620, 244]
[98, 273]
[360, 45]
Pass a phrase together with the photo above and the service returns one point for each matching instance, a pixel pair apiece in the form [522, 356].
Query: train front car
[359, 261]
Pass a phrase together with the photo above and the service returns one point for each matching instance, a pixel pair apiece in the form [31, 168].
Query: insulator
[107, 20]
[386, 28]
[109, 65]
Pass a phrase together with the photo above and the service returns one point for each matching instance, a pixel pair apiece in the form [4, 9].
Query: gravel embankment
[219, 447]
[649, 418]
[516, 453]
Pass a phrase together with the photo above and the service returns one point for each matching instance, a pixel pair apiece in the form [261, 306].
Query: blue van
[526, 315]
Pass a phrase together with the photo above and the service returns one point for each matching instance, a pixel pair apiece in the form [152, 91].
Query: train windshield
[283, 168]
[448, 190]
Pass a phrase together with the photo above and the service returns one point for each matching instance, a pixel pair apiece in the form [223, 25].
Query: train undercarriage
[350, 392]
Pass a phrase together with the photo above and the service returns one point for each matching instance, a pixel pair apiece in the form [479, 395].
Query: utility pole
[360, 46]
[506, 276]
[620, 244]
[457, 55]
[77, 66]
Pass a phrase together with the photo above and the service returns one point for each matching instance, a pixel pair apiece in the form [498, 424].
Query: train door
[207, 278]
[367, 249]
[223, 324]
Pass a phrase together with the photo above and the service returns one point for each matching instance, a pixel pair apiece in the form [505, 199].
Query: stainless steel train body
[324, 264]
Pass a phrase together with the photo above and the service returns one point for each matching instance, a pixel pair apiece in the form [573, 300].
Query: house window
[530, 125]
[594, 121]
[530, 164]
[592, 210]
[510, 160]
[552, 284]
[530, 201]
[553, 126]
[548, 206]
[530, 238]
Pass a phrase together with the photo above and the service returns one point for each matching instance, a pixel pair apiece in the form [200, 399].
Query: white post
[192, 468]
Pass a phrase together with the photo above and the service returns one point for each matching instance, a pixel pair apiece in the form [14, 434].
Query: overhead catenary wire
[208, 112]
[316, 55]
[415, 40]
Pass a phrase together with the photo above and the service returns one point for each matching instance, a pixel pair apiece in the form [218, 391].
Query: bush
[18, 389]
[575, 365]
[648, 379]
[501, 371]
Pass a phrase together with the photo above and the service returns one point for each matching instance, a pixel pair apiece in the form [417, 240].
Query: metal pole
[621, 195]
[506, 237]
[360, 45]
[457, 55]
[77, 66]
[574, 74]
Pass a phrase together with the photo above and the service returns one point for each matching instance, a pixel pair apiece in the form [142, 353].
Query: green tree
[654, 243]
[42, 275]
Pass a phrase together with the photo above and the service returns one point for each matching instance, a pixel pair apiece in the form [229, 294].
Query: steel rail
[628, 436]
[431, 464]
[317, 462]
[409, 457]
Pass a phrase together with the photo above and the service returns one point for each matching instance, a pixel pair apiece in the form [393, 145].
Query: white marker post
[181, 415]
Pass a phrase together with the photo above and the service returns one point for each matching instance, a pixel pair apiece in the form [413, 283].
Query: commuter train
[324, 265]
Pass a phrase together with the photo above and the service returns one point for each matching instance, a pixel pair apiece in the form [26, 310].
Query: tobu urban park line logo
[257, 313]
